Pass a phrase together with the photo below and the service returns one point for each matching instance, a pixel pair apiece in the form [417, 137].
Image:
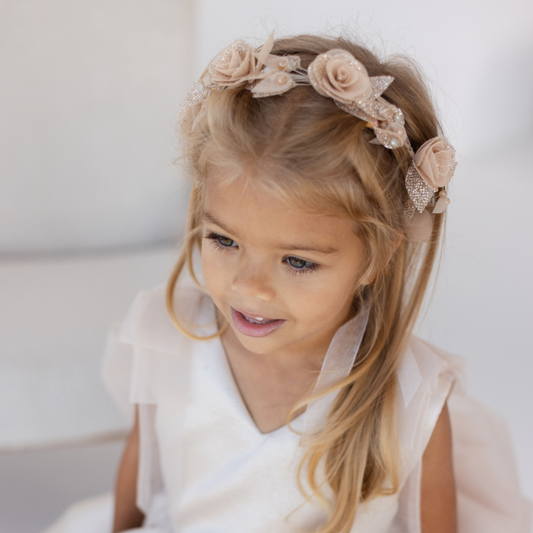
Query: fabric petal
[276, 83]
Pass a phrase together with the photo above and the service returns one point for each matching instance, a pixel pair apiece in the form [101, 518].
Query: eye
[220, 240]
[298, 265]
[225, 241]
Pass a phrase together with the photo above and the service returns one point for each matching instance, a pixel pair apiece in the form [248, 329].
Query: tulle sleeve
[138, 355]
[488, 491]
[144, 357]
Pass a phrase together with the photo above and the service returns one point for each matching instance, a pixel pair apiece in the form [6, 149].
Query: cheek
[214, 269]
[321, 301]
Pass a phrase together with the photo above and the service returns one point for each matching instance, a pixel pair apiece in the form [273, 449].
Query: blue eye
[299, 265]
[224, 241]
[221, 241]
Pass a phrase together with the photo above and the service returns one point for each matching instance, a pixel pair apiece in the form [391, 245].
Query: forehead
[244, 207]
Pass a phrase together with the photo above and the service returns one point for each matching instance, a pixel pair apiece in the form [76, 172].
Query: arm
[438, 498]
[127, 515]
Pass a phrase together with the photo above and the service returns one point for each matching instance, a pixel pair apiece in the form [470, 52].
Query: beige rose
[435, 161]
[233, 66]
[337, 74]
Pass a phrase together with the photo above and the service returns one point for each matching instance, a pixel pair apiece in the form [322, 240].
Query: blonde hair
[313, 153]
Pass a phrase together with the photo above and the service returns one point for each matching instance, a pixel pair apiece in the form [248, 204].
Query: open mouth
[255, 326]
[257, 320]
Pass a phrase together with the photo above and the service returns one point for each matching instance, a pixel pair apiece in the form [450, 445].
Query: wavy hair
[316, 155]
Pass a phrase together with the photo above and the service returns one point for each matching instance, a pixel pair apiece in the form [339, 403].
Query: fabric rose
[338, 75]
[234, 66]
[435, 161]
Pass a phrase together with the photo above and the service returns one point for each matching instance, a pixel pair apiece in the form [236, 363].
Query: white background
[89, 97]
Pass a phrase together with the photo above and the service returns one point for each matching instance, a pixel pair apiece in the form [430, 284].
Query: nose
[253, 280]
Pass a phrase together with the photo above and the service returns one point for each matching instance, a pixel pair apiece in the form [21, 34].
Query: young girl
[277, 383]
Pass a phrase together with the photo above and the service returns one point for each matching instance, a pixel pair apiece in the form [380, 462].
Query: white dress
[204, 466]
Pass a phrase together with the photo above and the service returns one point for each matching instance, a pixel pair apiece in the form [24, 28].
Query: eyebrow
[327, 250]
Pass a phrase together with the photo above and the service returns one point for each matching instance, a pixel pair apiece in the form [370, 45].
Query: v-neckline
[240, 399]
[342, 335]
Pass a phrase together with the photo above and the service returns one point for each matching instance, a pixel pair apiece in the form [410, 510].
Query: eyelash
[310, 267]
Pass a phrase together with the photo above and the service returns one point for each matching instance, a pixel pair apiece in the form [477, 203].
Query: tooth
[259, 318]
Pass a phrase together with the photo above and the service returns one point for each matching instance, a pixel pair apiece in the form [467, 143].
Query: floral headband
[338, 75]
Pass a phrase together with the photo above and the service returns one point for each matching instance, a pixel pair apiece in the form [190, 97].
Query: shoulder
[423, 365]
[430, 355]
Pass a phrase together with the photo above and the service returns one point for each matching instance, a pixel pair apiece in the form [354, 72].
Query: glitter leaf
[419, 190]
[380, 83]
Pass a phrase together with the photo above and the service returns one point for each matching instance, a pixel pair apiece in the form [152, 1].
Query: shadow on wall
[90, 96]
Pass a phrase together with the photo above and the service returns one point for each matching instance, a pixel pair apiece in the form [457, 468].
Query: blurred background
[92, 205]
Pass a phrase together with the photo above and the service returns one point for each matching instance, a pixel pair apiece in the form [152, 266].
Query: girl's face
[282, 278]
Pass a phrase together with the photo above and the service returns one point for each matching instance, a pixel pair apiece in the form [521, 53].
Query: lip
[254, 330]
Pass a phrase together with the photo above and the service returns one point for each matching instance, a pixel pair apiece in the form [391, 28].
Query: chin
[259, 346]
